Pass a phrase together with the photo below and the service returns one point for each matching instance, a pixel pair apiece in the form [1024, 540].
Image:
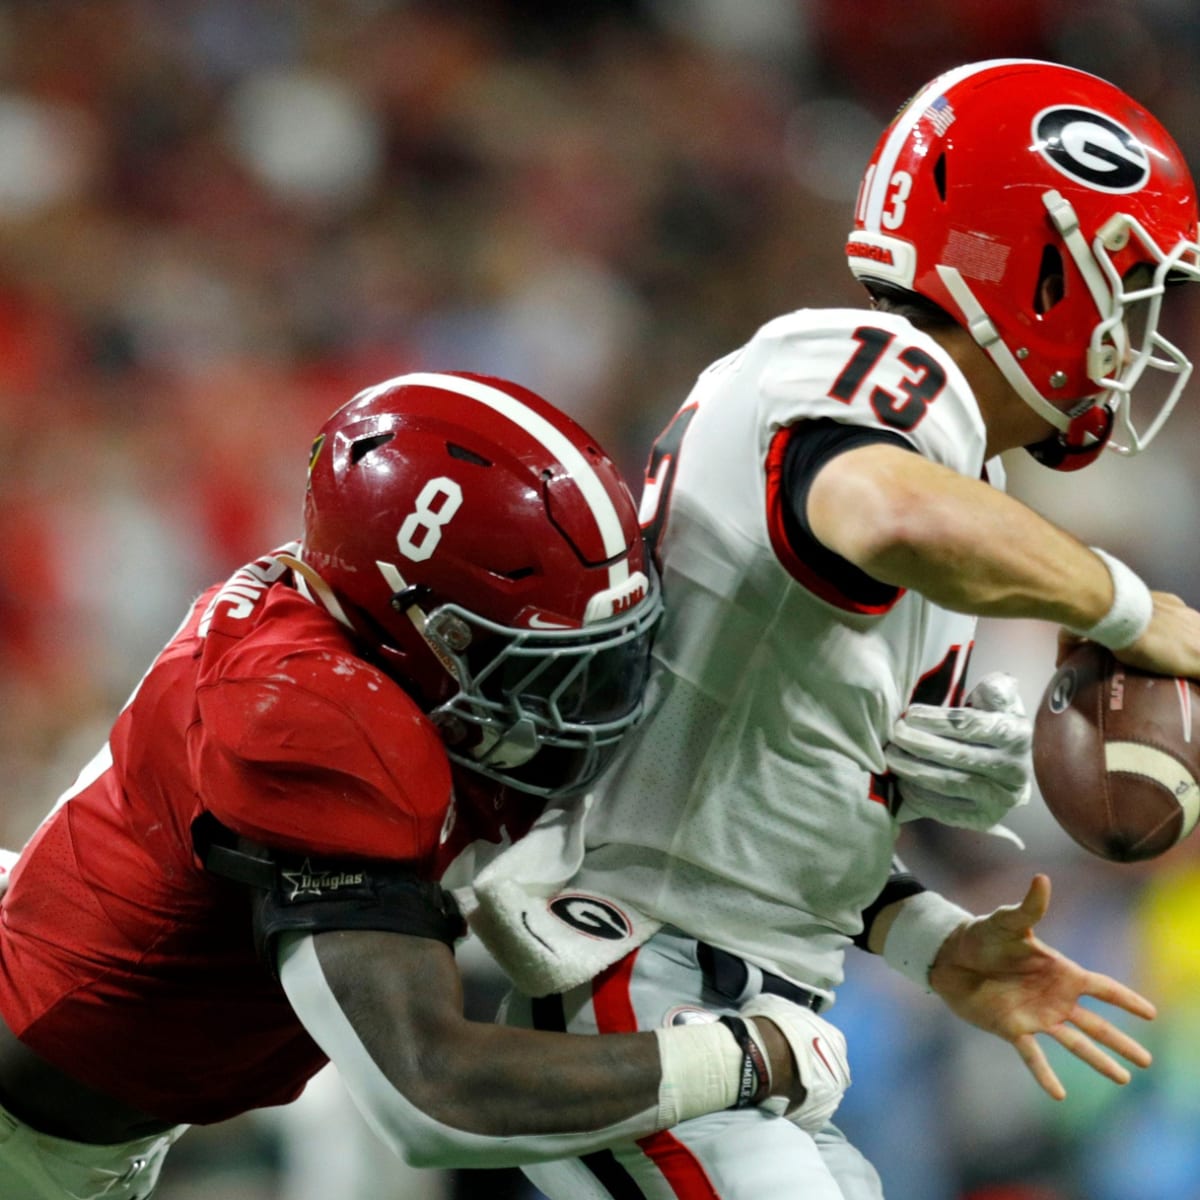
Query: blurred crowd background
[221, 218]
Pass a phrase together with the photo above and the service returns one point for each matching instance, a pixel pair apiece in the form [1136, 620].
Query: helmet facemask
[1129, 337]
[1125, 343]
[541, 710]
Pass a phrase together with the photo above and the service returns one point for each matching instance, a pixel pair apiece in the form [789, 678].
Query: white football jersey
[749, 809]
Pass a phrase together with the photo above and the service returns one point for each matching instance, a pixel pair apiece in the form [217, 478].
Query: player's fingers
[1035, 1059]
[1107, 1034]
[1104, 987]
[935, 732]
[1018, 918]
[1087, 1051]
[1037, 899]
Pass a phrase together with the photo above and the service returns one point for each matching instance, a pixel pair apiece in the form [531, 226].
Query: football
[1116, 753]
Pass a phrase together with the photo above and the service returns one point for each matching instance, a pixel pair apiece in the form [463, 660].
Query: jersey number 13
[918, 389]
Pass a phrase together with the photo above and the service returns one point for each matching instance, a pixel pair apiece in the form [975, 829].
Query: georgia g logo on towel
[591, 916]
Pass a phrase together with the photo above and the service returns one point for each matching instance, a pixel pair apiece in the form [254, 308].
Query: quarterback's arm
[913, 523]
[445, 1091]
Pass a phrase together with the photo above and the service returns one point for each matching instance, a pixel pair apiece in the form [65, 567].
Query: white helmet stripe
[881, 180]
[554, 440]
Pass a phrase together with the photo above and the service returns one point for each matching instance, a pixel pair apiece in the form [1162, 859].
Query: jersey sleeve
[320, 754]
[806, 448]
[901, 883]
[874, 370]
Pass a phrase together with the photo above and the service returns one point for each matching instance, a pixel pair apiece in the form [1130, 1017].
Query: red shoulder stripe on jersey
[795, 566]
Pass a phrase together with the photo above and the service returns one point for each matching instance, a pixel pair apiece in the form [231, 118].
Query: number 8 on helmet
[486, 553]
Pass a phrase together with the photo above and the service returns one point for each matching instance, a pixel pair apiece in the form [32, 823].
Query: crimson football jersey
[127, 965]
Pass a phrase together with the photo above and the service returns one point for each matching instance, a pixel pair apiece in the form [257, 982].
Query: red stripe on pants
[613, 1007]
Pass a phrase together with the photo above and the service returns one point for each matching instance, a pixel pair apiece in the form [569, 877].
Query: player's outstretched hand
[994, 972]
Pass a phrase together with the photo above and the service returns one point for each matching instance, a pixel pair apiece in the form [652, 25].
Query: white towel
[546, 936]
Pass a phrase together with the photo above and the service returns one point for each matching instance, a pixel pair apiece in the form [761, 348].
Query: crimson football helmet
[486, 553]
[1046, 212]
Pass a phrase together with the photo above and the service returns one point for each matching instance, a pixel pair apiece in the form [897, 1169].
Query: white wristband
[701, 1071]
[1131, 609]
[916, 935]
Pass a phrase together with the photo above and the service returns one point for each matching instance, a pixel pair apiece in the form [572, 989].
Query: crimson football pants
[732, 1155]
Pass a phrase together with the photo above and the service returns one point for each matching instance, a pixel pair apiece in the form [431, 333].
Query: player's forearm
[503, 1082]
[444, 1091]
[413, 1084]
[963, 544]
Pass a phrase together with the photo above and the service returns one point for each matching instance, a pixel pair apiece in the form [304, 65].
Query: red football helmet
[1045, 211]
[487, 553]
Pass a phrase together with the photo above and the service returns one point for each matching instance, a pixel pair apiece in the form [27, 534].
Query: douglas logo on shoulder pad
[308, 880]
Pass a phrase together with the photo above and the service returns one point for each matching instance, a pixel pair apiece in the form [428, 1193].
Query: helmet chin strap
[1101, 360]
[986, 335]
[315, 588]
[980, 327]
[416, 614]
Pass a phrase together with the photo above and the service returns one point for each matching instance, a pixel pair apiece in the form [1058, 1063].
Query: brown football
[1116, 752]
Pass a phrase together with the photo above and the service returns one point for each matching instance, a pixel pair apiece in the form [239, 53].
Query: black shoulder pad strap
[217, 848]
[314, 894]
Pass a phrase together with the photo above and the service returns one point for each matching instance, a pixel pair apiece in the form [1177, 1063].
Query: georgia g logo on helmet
[1091, 148]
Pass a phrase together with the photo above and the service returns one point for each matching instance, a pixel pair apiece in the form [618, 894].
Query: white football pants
[34, 1166]
[733, 1155]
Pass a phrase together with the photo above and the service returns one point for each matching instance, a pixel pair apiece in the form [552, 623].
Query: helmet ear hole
[363, 446]
[939, 176]
[1051, 281]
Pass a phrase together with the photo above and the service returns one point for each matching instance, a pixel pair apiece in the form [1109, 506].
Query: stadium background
[220, 218]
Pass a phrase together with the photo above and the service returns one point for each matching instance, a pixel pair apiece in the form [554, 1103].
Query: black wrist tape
[754, 1083]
